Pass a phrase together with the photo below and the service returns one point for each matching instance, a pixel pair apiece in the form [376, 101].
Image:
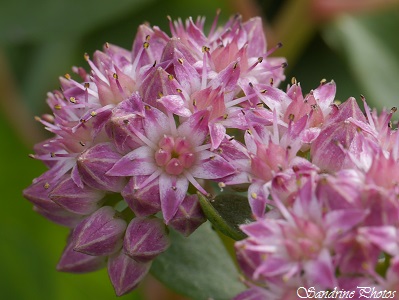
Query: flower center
[175, 154]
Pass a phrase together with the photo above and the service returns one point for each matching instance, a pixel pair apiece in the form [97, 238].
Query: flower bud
[38, 194]
[81, 201]
[95, 162]
[188, 217]
[124, 122]
[144, 201]
[126, 273]
[100, 234]
[76, 262]
[145, 239]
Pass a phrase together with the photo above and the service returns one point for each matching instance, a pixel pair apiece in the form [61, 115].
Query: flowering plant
[152, 142]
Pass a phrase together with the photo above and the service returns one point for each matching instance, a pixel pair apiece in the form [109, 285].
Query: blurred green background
[353, 42]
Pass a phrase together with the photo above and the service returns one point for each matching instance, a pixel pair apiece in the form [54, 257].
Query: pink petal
[138, 162]
[321, 271]
[175, 104]
[257, 197]
[385, 237]
[155, 123]
[217, 132]
[325, 94]
[173, 191]
[82, 201]
[211, 166]
[195, 128]
[256, 36]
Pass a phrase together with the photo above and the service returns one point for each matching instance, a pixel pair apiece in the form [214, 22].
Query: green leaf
[371, 60]
[227, 212]
[198, 267]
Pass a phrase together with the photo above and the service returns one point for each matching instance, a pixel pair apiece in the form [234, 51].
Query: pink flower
[174, 156]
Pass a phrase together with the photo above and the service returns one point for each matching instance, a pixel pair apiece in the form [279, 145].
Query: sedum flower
[173, 156]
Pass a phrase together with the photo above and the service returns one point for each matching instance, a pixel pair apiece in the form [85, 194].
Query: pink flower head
[301, 243]
[245, 41]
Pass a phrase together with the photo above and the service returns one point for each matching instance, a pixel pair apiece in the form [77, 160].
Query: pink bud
[76, 262]
[188, 217]
[100, 234]
[82, 201]
[126, 273]
[145, 239]
[94, 163]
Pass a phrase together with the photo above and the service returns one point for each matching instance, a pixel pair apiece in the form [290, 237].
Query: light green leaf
[372, 62]
[198, 267]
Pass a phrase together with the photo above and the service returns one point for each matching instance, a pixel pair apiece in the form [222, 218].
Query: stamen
[118, 84]
[151, 178]
[258, 61]
[139, 55]
[95, 69]
[194, 182]
[204, 68]
[275, 127]
[202, 148]
[240, 100]
[144, 139]
[272, 50]
[172, 123]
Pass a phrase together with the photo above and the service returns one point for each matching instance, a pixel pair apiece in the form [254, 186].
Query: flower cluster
[330, 221]
[140, 133]
[145, 130]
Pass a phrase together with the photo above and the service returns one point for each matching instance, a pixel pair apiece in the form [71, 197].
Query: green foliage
[198, 266]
